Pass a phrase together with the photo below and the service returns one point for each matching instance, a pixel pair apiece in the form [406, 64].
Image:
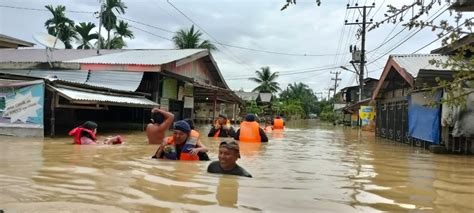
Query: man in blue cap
[181, 146]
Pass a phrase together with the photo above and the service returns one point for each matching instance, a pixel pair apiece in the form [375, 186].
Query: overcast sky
[258, 24]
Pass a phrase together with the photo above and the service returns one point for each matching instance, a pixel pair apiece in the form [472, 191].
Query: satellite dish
[49, 41]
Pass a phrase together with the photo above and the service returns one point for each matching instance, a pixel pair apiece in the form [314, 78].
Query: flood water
[310, 167]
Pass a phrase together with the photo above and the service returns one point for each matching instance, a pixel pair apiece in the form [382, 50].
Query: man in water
[161, 121]
[229, 153]
[221, 128]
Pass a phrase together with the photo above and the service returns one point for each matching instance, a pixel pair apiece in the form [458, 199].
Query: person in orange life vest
[181, 146]
[161, 121]
[221, 129]
[194, 133]
[85, 134]
[250, 131]
[278, 123]
[268, 127]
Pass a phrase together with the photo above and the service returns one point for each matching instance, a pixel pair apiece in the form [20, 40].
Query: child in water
[85, 134]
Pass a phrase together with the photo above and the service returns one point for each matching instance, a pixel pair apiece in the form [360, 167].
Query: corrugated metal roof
[109, 99]
[265, 97]
[79, 76]
[117, 80]
[19, 42]
[412, 63]
[142, 57]
[247, 96]
[39, 55]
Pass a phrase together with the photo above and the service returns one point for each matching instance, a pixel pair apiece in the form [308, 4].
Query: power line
[442, 36]
[406, 39]
[292, 73]
[146, 31]
[278, 53]
[145, 24]
[43, 10]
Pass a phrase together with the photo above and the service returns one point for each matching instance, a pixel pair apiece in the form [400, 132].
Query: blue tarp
[423, 120]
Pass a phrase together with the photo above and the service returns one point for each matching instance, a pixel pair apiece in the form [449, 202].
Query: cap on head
[182, 126]
[90, 125]
[190, 122]
[250, 117]
[231, 145]
[222, 116]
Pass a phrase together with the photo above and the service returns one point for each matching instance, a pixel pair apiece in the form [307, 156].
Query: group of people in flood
[184, 143]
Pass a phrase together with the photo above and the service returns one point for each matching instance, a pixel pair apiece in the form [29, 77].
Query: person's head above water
[90, 125]
[221, 119]
[250, 117]
[157, 117]
[181, 131]
[229, 152]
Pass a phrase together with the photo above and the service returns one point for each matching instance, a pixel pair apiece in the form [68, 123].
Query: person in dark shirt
[221, 128]
[229, 153]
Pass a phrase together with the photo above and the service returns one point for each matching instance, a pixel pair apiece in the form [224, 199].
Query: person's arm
[263, 135]
[160, 149]
[169, 118]
[199, 148]
[237, 135]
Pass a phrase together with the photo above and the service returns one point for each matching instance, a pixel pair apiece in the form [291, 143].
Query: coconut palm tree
[109, 19]
[191, 39]
[60, 26]
[115, 43]
[266, 80]
[122, 30]
[84, 36]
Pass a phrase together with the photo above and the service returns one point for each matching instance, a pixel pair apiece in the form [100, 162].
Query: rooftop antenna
[51, 43]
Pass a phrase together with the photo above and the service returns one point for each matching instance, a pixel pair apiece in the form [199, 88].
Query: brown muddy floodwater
[310, 167]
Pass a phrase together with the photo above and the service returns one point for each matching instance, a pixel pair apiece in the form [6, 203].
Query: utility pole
[362, 54]
[100, 26]
[336, 79]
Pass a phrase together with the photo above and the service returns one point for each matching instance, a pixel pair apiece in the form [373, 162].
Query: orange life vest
[249, 132]
[76, 132]
[185, 155]
[194, 133]
[278, 123]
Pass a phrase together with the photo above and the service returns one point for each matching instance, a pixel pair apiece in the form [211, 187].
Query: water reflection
[227, 191]
[308, 167]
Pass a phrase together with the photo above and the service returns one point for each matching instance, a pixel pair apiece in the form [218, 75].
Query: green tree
[115, 43]
[122, 30]
[266, 81]
[60, 26]
[301, 93]
[109, 19]
[191, 39]
[84, 35]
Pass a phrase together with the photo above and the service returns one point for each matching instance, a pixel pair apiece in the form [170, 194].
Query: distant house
[350, 96]
[10, 42]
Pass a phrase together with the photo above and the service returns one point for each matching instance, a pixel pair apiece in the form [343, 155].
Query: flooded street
[307, 168]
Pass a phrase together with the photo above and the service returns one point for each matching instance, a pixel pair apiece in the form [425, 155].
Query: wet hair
[90, 125]
[190, 122]
[157, 117]
[231, 145]
[250, 117]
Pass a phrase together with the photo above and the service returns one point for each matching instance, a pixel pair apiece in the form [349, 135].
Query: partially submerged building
[118, 87]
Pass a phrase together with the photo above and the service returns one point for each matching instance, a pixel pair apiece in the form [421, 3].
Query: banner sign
[367, 118]
[22, 105]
